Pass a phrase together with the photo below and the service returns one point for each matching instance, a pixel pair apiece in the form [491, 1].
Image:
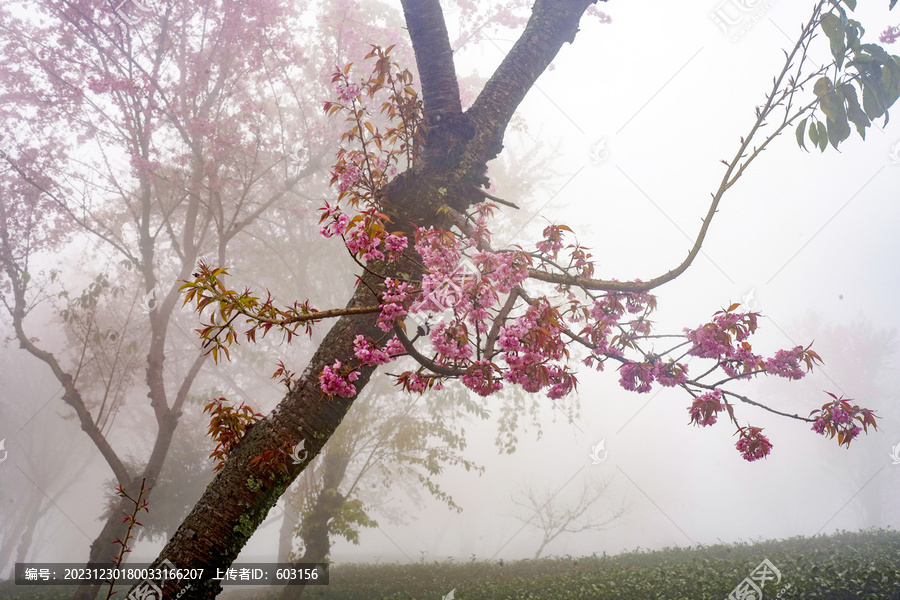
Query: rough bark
[240, 497]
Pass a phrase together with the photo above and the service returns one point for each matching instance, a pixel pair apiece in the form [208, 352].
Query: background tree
[181, 130]
[548, 514]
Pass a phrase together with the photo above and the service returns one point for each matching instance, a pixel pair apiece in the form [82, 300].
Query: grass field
[863, 565]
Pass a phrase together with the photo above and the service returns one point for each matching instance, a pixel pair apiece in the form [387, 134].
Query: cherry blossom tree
[161, 136]
[412, 208]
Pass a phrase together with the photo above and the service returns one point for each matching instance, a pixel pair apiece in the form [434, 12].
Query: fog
[631, 124]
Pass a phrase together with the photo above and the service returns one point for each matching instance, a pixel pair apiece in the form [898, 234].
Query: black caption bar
[135, 573]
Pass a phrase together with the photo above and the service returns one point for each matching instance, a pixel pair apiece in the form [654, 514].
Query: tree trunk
[104, 548]
[240, 497]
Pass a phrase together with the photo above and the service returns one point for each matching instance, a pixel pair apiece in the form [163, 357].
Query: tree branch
[552, 23]
[434, 57]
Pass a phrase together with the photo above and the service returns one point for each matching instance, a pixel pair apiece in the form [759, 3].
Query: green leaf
[838, 131]
[833, 28]
[822, 86]
[871, 100]
[889, 73]
[854, 110]
[891, 81]
[814, 134]
[840, 9]
[801, 129]
[832, 104]
[851, 4]
[823, 136]
[893, 2]
[854, 31]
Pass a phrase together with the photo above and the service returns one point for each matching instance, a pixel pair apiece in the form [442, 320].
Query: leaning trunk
[240, 496]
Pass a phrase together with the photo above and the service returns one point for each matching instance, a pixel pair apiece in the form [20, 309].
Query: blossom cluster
[636, 377]
[706, 407]
[337, 380]
[714, 339]
[418, 382]
[347, 93]
[843, 419]
[470, 287]
[394, 301]
[530, 345]
[337, 221]
[348, 176]
[639, 377]
[367, 353]
[752, 444]
[363, 235]
[451, 342]
[482, 378]
[787, 363]
[604, 318]
[552, 241]
[889, 35]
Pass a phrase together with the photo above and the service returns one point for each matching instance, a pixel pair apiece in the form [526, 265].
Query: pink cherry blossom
[334, 383]
[636, 377]
[752, 444]
[369, 354]
[482, 379]
[705, 408]
[786, 363]
[889, 35]
[393, 302]
[347, 92]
